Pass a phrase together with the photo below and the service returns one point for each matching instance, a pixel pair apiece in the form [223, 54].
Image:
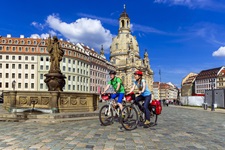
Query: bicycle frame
[110, 103]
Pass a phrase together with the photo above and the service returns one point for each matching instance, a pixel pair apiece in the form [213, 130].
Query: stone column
[12, 101]
[54, 101]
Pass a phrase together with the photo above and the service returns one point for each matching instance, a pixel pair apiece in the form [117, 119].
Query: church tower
[124, 54]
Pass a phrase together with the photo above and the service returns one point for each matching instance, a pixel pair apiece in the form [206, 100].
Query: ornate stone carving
[23, 100]
[34, 99]
[83, 101]
[64, 100]
[73, 101]
[45, 100]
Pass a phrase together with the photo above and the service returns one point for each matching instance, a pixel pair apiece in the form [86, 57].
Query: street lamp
[213, 100]
[13, 85]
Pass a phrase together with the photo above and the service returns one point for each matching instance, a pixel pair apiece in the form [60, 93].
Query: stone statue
[56, 54]
[55, 80]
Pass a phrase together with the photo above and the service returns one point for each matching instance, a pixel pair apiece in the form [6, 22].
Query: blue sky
[181, 36]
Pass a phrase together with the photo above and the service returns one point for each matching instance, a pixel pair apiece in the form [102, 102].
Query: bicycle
[108, 112]
[134, 116]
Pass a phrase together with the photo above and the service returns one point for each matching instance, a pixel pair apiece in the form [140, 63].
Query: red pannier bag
[157, 105]
[130, 97]
[105, 96]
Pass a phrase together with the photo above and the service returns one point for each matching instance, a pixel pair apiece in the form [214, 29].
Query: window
[26, 85]
[13, 57]
[41, 86]
[41, 67]
[64, 68]
[7, 48]
[26, 76]
[32, 66]
[41, 58]
[27, 49]
[47, 67]
[20, 49]
[26, 66]
[0, 84]
[32, 58]
[69, 87]
[19, 85]
[6, 85]
[69, 78]
[7, 57]
[1, 48]
[19, 66]
[0, 56]
[0, 75]
[13, 75]
[19, 57]
[41, 76]
[32, 85]
[26, 57]
[32, 76]
[7, 66]
[42, 50]
[19, 75]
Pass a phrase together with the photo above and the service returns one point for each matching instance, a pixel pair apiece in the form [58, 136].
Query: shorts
[119, 95]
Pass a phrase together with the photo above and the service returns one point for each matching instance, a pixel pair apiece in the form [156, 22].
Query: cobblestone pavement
[178, 129]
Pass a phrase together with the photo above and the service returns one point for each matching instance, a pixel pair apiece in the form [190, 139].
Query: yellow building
[124, 54]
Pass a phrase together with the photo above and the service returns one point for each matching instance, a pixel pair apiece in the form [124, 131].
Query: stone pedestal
[55, 81]
[50, 102]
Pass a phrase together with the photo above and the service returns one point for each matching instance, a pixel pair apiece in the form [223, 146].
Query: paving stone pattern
[177, 129]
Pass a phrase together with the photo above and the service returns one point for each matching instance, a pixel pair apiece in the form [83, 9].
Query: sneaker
[147, 122]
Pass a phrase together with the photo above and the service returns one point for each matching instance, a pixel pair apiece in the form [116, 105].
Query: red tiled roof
[206, 74]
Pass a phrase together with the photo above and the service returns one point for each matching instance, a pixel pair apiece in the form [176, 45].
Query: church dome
[124, 42]
[124, 14]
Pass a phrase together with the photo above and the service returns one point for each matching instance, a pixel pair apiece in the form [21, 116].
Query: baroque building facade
[26, 61]
[124, 54]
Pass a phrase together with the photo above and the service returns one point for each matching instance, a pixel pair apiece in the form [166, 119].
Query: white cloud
[220, 52]
[84, 30]
[43, 36]
[209, 4]
[38, 25]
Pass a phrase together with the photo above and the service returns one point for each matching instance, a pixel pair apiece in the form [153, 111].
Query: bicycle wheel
[129, 118]
[106, 115]
[153, 117]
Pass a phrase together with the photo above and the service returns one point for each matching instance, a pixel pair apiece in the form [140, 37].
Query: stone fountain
[54, 100]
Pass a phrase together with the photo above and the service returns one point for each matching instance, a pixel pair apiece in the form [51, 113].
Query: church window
[127, 23]
[117, 45]
[122, 23]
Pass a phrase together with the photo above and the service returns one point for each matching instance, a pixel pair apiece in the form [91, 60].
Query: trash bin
[205, 106]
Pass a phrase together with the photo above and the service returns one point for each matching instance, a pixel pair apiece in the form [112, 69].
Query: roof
[206, 74]
[190, 79]
[124, 14]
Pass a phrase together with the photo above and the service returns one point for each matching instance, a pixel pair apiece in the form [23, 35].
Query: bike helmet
[112, 72]
[138, 73]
